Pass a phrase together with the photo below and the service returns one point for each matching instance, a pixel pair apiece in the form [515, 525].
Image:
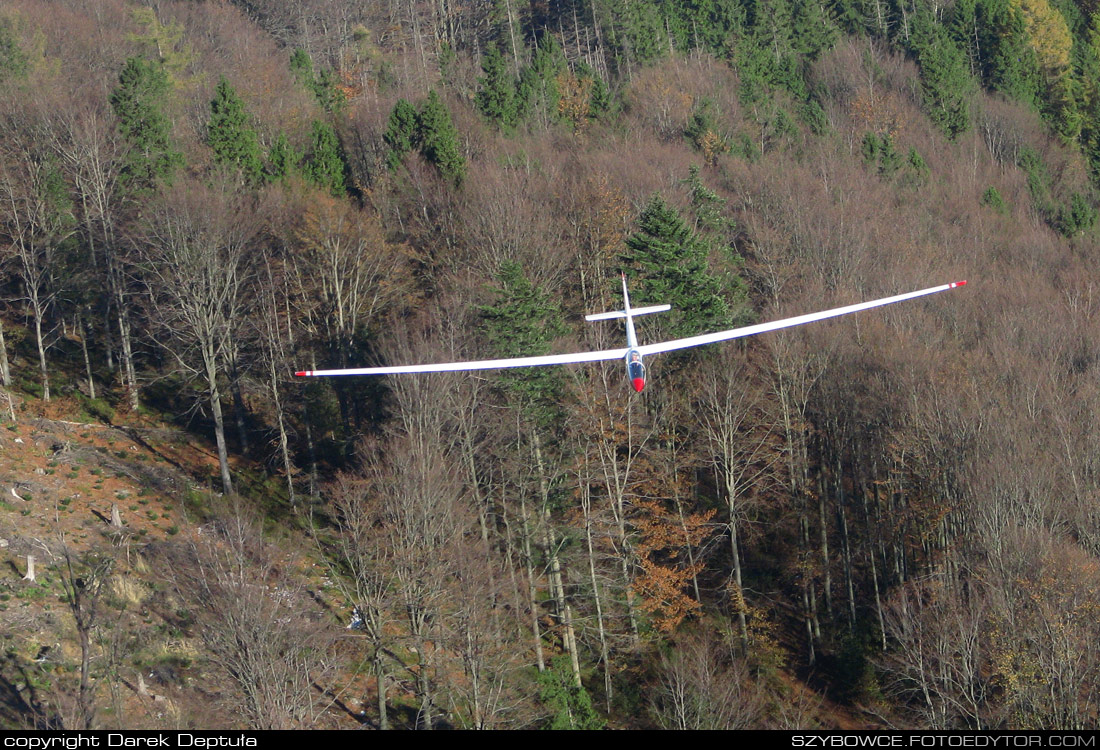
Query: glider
[633, 354]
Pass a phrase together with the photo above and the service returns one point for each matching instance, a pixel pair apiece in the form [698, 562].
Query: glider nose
[638, 383]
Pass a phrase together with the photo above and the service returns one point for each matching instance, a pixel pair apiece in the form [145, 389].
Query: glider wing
[736, 333]
[484, 364]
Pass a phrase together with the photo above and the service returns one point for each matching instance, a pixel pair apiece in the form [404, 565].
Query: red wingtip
[958, 283]
[302, 374]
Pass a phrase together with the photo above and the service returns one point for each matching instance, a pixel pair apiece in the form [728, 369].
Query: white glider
[632, 354]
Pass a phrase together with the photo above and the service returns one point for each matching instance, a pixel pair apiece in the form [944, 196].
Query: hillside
[885, 520]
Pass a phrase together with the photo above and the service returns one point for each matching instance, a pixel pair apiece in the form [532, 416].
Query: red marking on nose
[639, 384]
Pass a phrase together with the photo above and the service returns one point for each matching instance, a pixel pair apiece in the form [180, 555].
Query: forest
[888, 520]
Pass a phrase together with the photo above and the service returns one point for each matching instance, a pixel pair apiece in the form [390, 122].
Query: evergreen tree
[328, 92]
[569, 704]
[643, 31]
[324, 85]
[325, 167]
[231, 135]
[13, 61]
[918, 168]
[946, 84]
[889, 158]
[524, 321]
[439, 139]
[537, 93]
[671, 264]
[137, 101]
[1009, 64]
[281, 158]
[601, 103]
[401, 134]
[301, 65]
[496, 98]
[813, 29]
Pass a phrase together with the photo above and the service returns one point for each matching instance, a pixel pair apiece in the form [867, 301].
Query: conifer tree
[671, 263]
[325, 167]
[537, 93]
[439, 139]
[1009, 64]
[946, 84]
[13, 61]
[496, 98]
[231, 135]
[281, 158]
[401, 134]
[569, 703]
[524, 321]
[137, 101]
[813, 29]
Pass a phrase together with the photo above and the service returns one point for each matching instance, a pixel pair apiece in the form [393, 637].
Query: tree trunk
[5, 373]
[380, 673]
[43, 371]
[219, 423]
[82, 328]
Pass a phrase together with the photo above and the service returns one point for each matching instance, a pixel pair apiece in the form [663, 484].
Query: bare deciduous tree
[259, 624]
[195, 261]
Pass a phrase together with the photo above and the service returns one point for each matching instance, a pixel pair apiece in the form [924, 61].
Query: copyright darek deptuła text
[114, 739]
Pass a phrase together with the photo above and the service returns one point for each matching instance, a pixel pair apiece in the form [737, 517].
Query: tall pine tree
[439, 139]
[231, 135]
[138, 101]
[325, 166]
[670, 262]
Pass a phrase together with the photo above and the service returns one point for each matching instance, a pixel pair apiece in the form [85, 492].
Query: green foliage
[98, 408]
[643, 31]
[569, 704]
[524, 321]
[717, 231]
[815, 30]
[917, 167]
[431, 131]
[496, 96]
[301, 65]
[670, 262]
[812, 114]
[325, 165]
[703, 24]
[703, 131]
[1008, 62]
[137, 101]
[13, 61]
[879, 151]
[231, 136]
[165, 41]
[869, 148]
[1076, 218]
[889, 158]
[281, 158]
[537, 94]
[438, 139]
[601, 102]
[447, 61]
[1038, 181]
[402, 132]
[946, 84]
[992, 198]
[324, 85]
